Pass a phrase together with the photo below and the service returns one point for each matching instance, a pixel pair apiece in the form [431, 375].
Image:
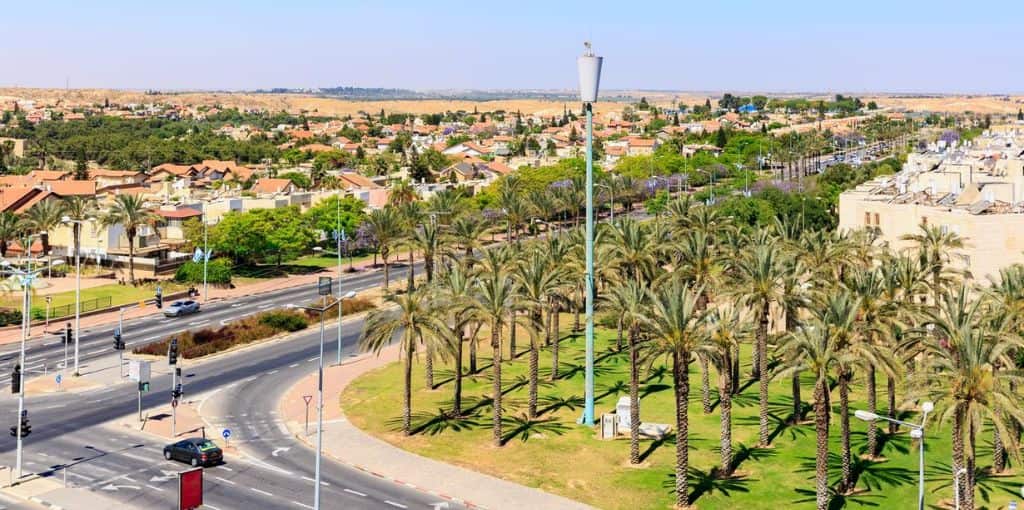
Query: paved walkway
[350, 445]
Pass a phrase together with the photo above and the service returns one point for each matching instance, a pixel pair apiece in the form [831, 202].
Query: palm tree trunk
[682, 389]
[998, 452]
[534, 368]
[725, 408]
[576, 313]
[496, 384]
[705, 383]
[387, 270]
[798, 406]
[872, 408]
[131, 258]
[890, 388]
[846, 484]
[634, 399]
[761, 338]
[407, 394]
[970, 453]
[428, 367]
[428, 266]
[735, 379]
[512, 335]
[457, 398]
[821, 455]
[555, 338]
[762, 375]
[618, 338]
[412, 273]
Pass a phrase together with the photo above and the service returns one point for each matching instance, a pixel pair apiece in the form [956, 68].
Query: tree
[386, 224]
[759, 282]
[630, 302]
[301, 181]
[494, 302]
[726, 329]
[79, 209]
[675, 329]
[11, 227]
[455, 290]
[537, 281]
[337, 212]
[81, 172]
[45, 216]
[413, 318]
[130, 213]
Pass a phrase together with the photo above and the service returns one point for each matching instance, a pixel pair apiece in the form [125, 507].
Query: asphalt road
[72, 430]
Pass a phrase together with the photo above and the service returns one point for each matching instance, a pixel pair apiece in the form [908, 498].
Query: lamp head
[865, 415]
[916, 433]
[589, 67]
[927, 407]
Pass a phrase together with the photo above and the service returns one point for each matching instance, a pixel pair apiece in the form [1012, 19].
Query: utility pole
[206, 257]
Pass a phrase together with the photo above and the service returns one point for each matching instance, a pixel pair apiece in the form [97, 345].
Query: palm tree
[935, 247]
[699, 264]
[634, 249]
[814, 348]
[130, 212]
[960, 376]
[45, 216]
[467, 231]
[454, 290]
[905, 282]
[537, 281]
[78, 209]
[794, 300]
[726, 329]
[558, 250]
[760, 279]
[11, 227]
[412, 216]
[675, 328]
[414, 318]
[630, 302]
[495, 297]
[429, 238]
[386, 225]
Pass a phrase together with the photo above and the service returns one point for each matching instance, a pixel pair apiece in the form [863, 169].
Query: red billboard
[190, 489]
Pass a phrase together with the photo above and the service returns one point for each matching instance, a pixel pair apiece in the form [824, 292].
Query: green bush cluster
[284, 321]
[9, 316]
[218, 271]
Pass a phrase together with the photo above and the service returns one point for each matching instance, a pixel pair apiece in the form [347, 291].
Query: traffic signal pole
[26, 316]
[120, 332]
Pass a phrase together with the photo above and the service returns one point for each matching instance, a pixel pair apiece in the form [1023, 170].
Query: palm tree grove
[798, 327]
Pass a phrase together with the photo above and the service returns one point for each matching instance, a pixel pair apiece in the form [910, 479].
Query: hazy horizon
[788, 47]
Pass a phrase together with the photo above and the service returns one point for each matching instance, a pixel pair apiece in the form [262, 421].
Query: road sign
[190, 489]
[323, 286]
[226, 434]
[307, 398]
[138, 371]
[58, 378]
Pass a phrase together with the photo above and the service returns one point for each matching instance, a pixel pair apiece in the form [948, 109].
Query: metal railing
[67, 310]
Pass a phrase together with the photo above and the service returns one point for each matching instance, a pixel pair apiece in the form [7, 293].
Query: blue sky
[740, 45]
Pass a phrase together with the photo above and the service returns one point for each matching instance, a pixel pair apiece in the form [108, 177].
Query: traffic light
[118, 343]
[172, 352]
[26, 429]
[177, 392]
[69, 336]
[159, 300]
[16, 380]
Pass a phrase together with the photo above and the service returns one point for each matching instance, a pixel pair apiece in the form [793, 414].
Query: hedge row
[203, 342]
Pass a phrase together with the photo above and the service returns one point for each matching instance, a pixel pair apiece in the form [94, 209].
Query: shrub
[284, 321]
[218, 271]
[9, 316]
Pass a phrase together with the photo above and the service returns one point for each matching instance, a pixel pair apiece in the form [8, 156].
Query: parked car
[184, 307]
[195, 451]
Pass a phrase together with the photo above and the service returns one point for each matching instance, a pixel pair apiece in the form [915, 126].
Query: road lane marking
[314, 358]
[136, 457]
[303, 505]
[83, 477]
[357, 493]
[272, 372]
[282, 428]
[225, 480]
[265, 493]
[293, 365]
[154, 488]
[392, 503]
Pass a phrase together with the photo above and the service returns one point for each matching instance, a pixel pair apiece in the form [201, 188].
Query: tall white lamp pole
[589, 67]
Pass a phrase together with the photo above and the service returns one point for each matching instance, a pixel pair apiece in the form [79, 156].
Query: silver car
[178, 308]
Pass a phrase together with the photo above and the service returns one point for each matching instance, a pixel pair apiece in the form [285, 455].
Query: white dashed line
[225, 480]
[272, 372]
[265, 493]
[357, 493]
[293, 365]
[303, 505]
[154, 488]
[396, 505]
[83, 477]
[314, 358]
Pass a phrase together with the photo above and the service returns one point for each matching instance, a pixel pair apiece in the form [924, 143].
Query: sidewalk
[12, 334]
[347, 444]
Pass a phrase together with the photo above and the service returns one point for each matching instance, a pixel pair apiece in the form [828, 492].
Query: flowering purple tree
[950, 137]
[366, 239]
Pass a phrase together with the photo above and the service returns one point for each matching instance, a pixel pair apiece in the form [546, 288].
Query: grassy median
[558, 456]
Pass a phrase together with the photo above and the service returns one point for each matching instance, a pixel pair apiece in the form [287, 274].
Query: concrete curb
[47, 504]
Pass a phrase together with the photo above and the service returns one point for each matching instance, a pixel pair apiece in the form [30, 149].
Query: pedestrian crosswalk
[251, 427]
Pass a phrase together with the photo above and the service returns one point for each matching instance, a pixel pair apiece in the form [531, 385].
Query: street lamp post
[320, 388]
[26, 278]
[611, 196]
[916, 432]
[589, 68]
[76, 227]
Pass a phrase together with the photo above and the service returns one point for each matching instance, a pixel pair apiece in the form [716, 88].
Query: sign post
[323, 286]
[307, 398]
[190, 489]
[58, 382]
[226, 434]
[138, 371]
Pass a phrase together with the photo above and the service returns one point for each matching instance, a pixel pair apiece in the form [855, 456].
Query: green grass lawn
[558, 456]
[118, 294]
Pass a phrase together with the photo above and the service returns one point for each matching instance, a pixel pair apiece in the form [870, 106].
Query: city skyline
[793, 47]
